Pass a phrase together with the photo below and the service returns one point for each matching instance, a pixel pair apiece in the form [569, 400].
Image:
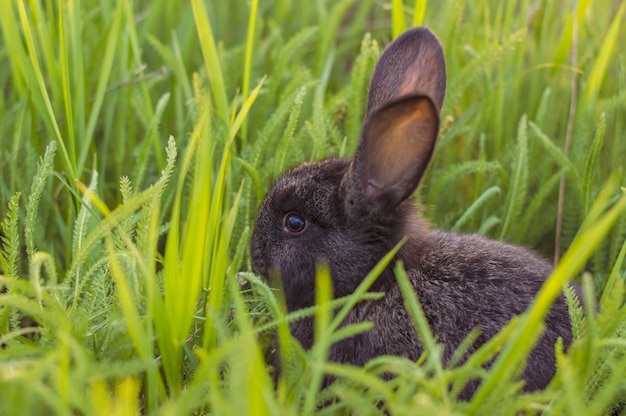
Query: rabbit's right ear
[413, 64]
[396, 145]
[398, 138]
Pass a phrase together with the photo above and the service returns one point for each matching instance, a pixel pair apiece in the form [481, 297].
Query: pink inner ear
[397, 152]
[400, 139]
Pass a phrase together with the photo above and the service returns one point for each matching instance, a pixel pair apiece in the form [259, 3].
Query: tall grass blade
[319, 352]
[398, 22]
[211, 59]
[616, 273]
[245, 109]
[476, 205]
[106, 68]
[66, 87]
[591, 164]
[38, 76]
[363, 287]
[419, 12]
[218, 242]
[530, 326]
[328, 36]
[519, 184]
[599, 69]
[151, 137]
[247, 67]
[175, 61]
[180, 295]
[557, 154]
[452, 173]
[423, 330]
[249, 374]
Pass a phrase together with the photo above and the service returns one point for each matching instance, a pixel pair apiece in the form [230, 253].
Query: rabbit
[350, 213]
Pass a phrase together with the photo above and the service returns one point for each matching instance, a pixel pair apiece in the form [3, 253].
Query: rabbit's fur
[355, 211]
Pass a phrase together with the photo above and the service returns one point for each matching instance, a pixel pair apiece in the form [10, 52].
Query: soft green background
[138, 138]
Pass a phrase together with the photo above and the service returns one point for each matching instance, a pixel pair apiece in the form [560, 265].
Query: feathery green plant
[43, 171]
[11, 239]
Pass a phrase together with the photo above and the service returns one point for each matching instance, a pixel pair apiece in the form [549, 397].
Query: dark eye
[294, 222]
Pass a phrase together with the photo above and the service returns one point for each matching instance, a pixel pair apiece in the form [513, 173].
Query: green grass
[138, 138]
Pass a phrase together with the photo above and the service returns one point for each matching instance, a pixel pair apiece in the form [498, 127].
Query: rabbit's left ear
[396, 145]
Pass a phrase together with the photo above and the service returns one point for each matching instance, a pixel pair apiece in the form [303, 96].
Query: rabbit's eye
[294, 222]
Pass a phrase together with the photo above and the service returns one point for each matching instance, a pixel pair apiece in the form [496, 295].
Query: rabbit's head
[350, 213]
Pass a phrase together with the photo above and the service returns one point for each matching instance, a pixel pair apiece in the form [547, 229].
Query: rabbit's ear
[396, 145]
[413, 64]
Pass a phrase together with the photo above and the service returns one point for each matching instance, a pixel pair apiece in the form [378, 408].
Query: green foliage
[11, 239]
[43, 170]
[125, 279]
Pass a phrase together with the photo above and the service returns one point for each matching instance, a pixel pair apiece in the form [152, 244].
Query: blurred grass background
[138, 138]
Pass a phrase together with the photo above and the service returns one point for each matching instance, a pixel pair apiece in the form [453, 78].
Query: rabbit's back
[465, 281]
[462, 282]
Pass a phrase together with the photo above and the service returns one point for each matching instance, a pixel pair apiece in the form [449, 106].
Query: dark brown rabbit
[350, 213]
